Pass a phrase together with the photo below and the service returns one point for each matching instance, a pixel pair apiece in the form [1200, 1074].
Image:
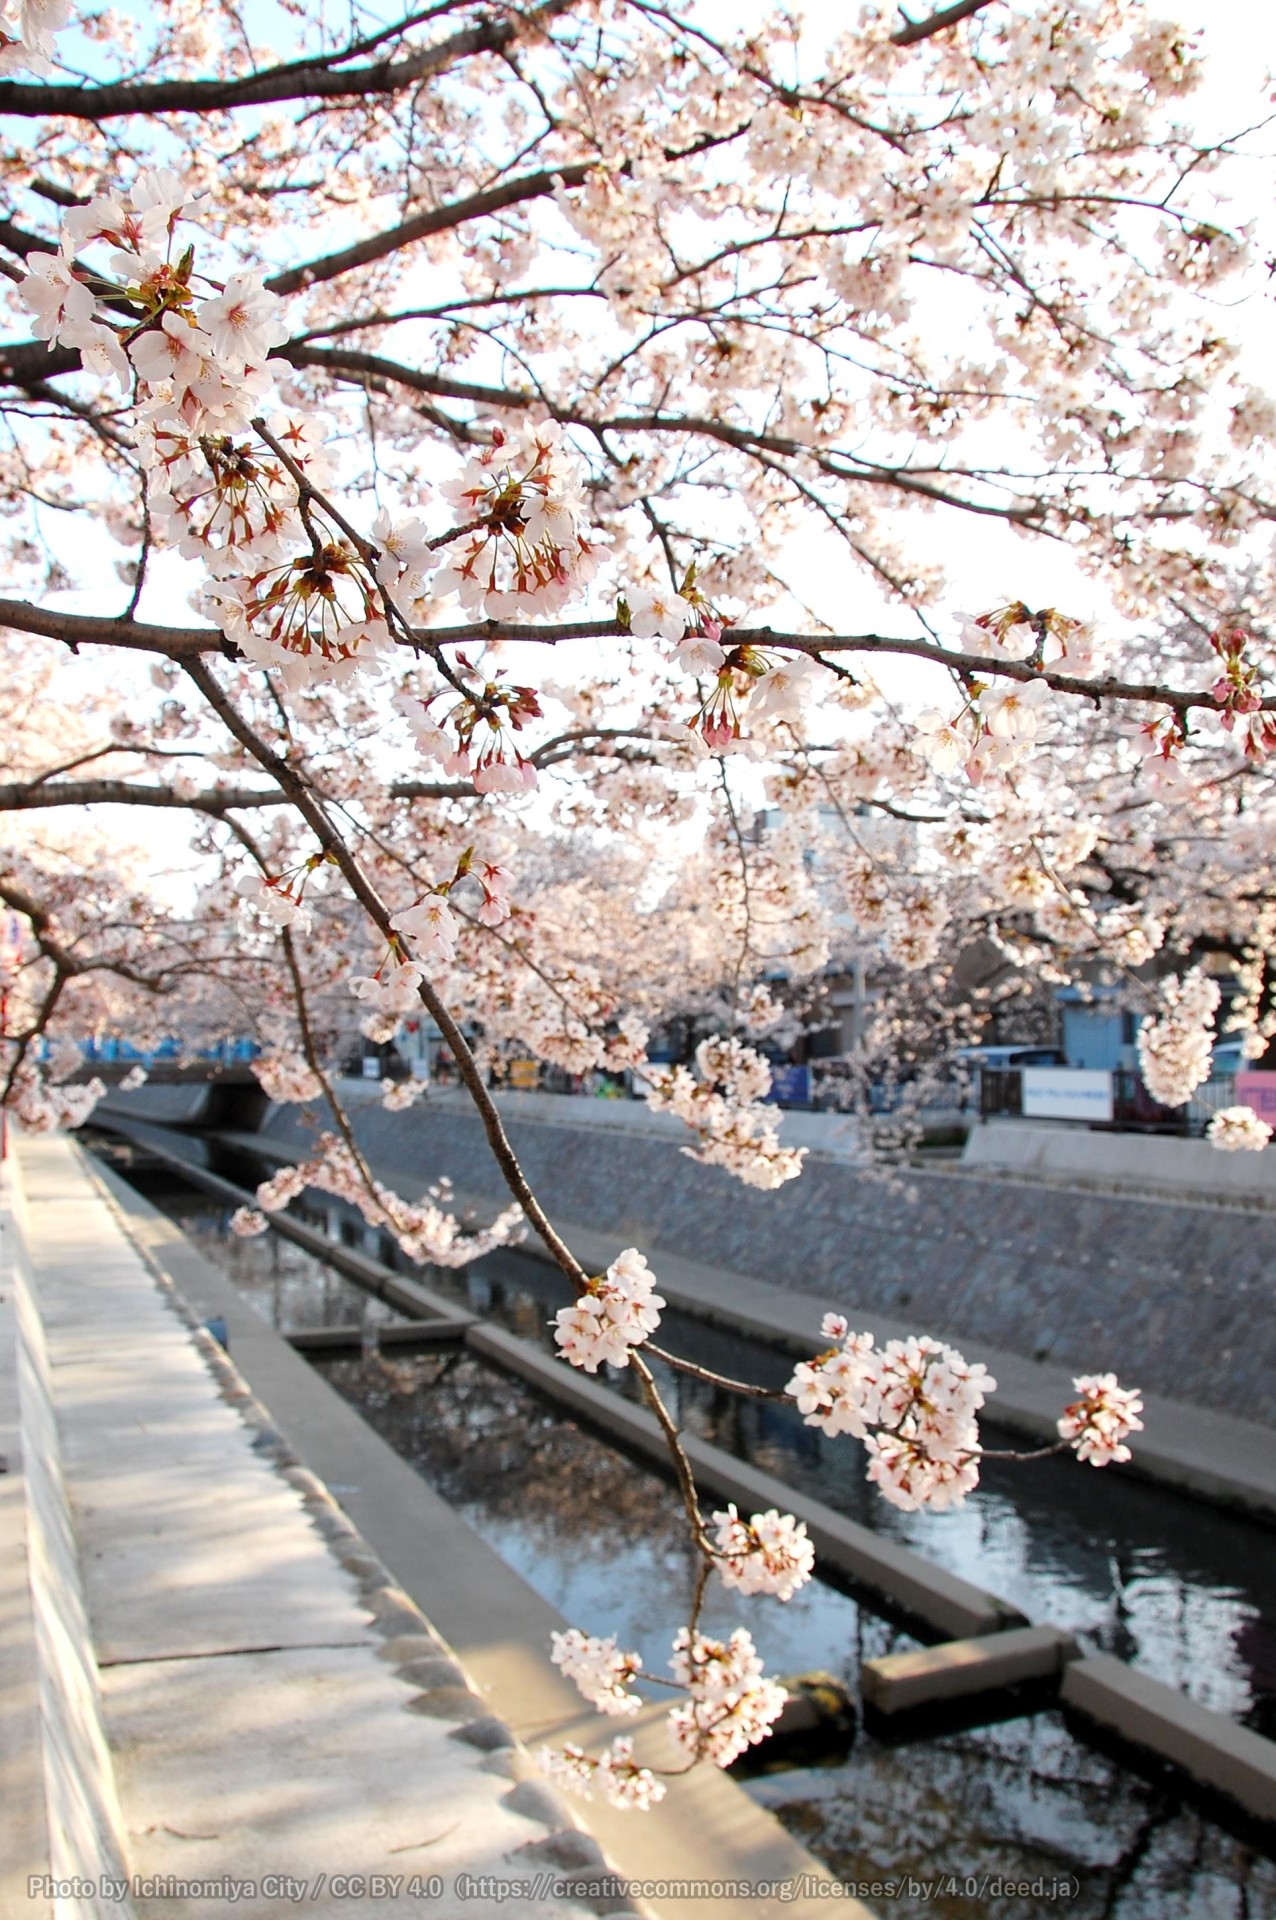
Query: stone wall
[1177, 1297]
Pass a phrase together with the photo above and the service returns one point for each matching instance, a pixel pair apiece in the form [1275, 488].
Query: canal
[1168, 1585]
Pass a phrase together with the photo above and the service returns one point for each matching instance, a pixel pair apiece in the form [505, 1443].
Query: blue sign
[790, 1086]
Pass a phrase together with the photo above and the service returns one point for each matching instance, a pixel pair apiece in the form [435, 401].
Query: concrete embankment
[1174, 1296]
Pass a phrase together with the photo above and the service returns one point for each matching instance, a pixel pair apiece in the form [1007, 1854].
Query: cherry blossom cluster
[474, 738]
[425, 1231]
[749, 684]
[615, 1774]
[1239, 693]
[399, 1095]
[1175, 1047]
[913, 1404]
[908, 916]
[1000, 720]
[529, 553]
[279, 898]
[554, 1005]
[286, 584]
[42, 1107]
[431, 924]
[762, 894]
[1096, 1424]
[224, 501]
[199, 362]
[731, 1705]
[723, 1109]
[1238, 1130]
[600, 1672]
[28, 29]
[771, 1553]
[287, 1078]
[391, 992]
[615, 1314]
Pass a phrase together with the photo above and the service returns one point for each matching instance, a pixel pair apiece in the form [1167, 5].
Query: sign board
[790, 1086]
[1066, 1093]
[371, 1067]
[525, 1074]
[1257, 1090]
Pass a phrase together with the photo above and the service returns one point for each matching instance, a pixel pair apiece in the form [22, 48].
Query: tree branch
[510, 193]
[916, 30]
[186, 644]
[320, 77]
[23, 796]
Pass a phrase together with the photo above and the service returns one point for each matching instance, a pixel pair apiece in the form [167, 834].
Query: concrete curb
[85, 1829]
[24, 1831]
[1135, 1165]
[1223, 1759]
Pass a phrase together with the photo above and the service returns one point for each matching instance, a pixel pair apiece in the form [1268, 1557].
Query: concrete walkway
[283, 1733]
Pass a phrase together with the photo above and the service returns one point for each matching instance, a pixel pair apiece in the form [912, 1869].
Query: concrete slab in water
[960, 1669]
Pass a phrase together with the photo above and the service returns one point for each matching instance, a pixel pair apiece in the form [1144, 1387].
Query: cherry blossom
[770, 1553]
[287, 1077]
[601, 1673]
[617, 1312]
[733, 1130]
[1238, 1129]
[654, 611]
[614, 1774]
[731, 1704]
[1175, 1047]
[1096, 1424]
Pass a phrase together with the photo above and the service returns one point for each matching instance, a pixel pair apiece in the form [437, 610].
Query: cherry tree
[434, 457]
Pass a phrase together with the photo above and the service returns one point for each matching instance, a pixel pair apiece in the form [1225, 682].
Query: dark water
[1162, 1581]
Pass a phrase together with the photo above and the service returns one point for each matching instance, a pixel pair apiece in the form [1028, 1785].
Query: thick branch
[372, 367]
[295, 786]
[22, 796]
[78, 629]
[916, 30]
[186, 644]
[319, 77]
[510, 193]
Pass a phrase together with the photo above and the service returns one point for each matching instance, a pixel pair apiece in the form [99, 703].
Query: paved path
[277, 1716]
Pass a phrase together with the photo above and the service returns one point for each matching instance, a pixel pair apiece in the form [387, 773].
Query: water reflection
[1153, 1578]
[953, 1816]
[1169, 1585]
